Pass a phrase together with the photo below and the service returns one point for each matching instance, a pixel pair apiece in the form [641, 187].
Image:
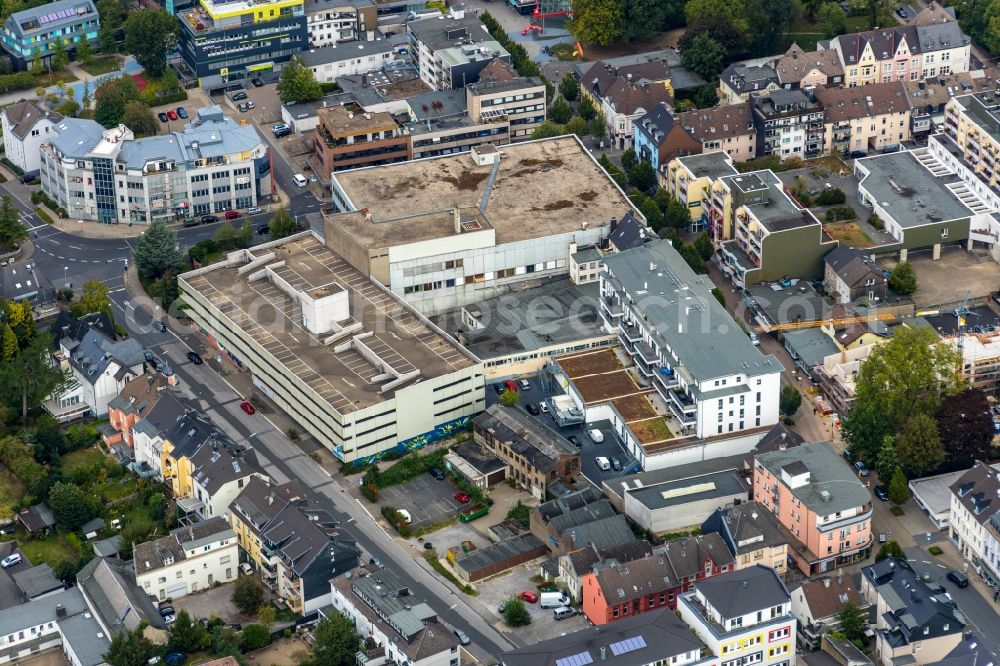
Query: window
[778, 634]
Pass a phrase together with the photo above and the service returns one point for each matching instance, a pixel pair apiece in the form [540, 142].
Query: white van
[405, 515]
[525, 385]
[563, 613]
[300, 180]
[553, 600]
[596, 435]
[603, 463]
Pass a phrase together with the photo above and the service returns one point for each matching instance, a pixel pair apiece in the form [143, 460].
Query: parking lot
[428, 500]
[216, 601]
[948, 279]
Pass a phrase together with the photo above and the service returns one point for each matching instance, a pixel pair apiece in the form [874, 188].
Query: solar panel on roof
[627, 645]
[581, 659]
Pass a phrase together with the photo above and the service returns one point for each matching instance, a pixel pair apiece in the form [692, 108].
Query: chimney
[458, 221]
[826, 582]
[60, 610]
[604, 653]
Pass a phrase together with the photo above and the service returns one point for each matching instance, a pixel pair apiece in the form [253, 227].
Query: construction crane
[961, 312]
[842, 321]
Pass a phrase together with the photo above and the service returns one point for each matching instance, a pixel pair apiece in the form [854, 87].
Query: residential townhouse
[35, 31]
[189, 559]
[744, 617]
[646, 639]
[223, 40]
[130, 406]
[597, 78]
[188, 445]
[450, 51]
[117, 603]
[752, 534]
[872, 118]
[739, 82]
[404, 627]
[536, 456]
[220, 469]
[148, 434]
[26, 126]
[850, 275]
[500, 94]
[627, 100]
[789, 123]
[815, 495]
[349, 138]
[658, 137]
[817, 605]
[713, 380]
[331, 22]
[649, 584]
[974, 524]
[296, 550]
[689, 180]
[928, 98]
[98, 366]
[913, 623]
[802, 69]
[727, 128]
[575, 564]
[596, 524]
[213, 165]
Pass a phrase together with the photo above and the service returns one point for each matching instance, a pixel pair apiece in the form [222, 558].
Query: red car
[510, 386]
[172, 114]
[248, 408]
[462, 497]
[529, 596]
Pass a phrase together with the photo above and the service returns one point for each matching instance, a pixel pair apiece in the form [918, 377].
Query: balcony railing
[612, 306]
[647, 353]
[630, 332]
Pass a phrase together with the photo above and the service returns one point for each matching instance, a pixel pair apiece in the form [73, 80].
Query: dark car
[375, 562]
[194, 358]
[182, 112]
[958, 578]
[881, 493]
[428, 545]
[209, 219]
[848, 456]
[616, 464]
[175, 658]
[148, 355]
[166, 610]
[857, 154]
[256, 82]
[436, 473]
[263, 230]
[29, 177]
[237, 96]
[902, 12]
[160, 326]
[574, 440]
[532, 409]
[498, 388]
[162, 116]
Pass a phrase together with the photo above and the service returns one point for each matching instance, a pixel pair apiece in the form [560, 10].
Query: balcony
[630, 332]
[612, 306]
[646, 352]
[666, 380]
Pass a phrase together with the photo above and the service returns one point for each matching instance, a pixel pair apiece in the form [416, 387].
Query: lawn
[11, 492]
[51, 550]
[651, 430]
[563, 51]
[101, 65]
[86, 457]
[805, 40]
[848, 233]
[104, 487]
[54, 78]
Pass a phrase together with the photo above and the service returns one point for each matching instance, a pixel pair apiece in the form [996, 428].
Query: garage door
[178, 590]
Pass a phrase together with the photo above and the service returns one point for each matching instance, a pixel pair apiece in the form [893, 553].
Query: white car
[300, 180]
[603, 463]
[11, 560]
[405, 515]
[595, 435]
[246, 569]
[254, 210]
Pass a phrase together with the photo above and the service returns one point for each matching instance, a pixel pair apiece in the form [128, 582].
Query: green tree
[37, 66]
[69, 109]
[706, 57]
[106, 39]
[84, 51]
[705, 250]
[597, 22]
[630, 159]
[899, 489]
[335, 642]
[789, 400]
[8, 343]
[29, 378]
[875, 8]
[966, 423]
[569, 88]
[156, 251]
[919, 446]
[515, 614]
[187, 635]
[149, 36]
[282, 224]
[598, 126]
[111, 99]
[247, 594]
[560, 112]
[585, 109]
[643, 176]
[297, 83]
[735, 12]
[255, 637]
[86, 101]
[130, 648]
[831, 19]
[266, 616]
[157, 504]
[547, 129]
[93, 298]
[60, 56]
[903, 279]
[139, 118]
[510, 398]
[887, 460]
[890, 549]
[676, 214]
[12, 232]
[577, 126]
[70, 506]
[853, 622]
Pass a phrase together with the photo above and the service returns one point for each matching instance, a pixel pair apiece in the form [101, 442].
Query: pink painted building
[818, 499]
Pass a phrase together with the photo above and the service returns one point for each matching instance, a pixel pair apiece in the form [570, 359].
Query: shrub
[876, 222]
[831, 197]
[408, 467]
[391, 514]
[293, 434]
[370, 492]
[255, 637]
[45, 217]
[13, 167]
[896, 511]
[521, 513]
[840, 213]
[935, 550]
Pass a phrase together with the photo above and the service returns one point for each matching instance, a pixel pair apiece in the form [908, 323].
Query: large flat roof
[542, 188]
[715, 485]
[913, 195]
[263, 312]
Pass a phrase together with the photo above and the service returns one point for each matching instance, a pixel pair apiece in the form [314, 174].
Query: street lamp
[65, 269]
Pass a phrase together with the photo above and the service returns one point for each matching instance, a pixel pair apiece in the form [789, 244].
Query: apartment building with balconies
[974, 525]
[789, 123]
[690, 179]
[350, 138]
[518, 101]
[686, 346]
[188, 560]
[744, 617]
[331, 22]
[238, 39]
[874, 117]
[451, 50]
[109, 176]
[815, 495]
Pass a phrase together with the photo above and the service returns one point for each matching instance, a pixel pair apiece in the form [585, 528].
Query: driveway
[543, 626]
[216, 601]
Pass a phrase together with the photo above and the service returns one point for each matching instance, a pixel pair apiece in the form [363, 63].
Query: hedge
[45, 217]
[13, 167]
[408, 467]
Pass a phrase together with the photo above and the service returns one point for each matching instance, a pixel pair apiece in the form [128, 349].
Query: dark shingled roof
[744, 591]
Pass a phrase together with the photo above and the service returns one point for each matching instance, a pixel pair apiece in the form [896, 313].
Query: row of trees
[604, 22]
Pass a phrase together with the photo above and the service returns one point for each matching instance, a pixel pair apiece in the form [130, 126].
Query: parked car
[280, 133]
[232, 215]
[182, 112]
[166, 610]
[254, 210]
[238, 96]
[300, 180]
[462, 638]
[245, 106]
[171, 114]
[263, 230]
[563, 612]
[248, 408]
[498, 388]
[428, 545]
[246, 569]
[405, 515]
[861, 467]
[543, 408]
[148, 355]
[162, 116]
[169, 619]
[502, 607]
[858, 154]
[209, 219]
[175, 658]
[902, 12]
[881, 493]
[531, 409]
[375, 562]
[616, 464]
[525, 385]
[575, 441]
[194, 358]
[11, 560]
[958, 578]
[160, 326]
[278, 127]
[510, 386]
[596, 435]
[436, 473]
[256, 82]
[462, 497]
[529, 596]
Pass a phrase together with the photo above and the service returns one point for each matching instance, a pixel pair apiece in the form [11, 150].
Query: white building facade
[25, 128]
[190, 559]
[974, 524]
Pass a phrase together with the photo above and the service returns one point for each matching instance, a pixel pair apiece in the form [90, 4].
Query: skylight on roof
[627, 645]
